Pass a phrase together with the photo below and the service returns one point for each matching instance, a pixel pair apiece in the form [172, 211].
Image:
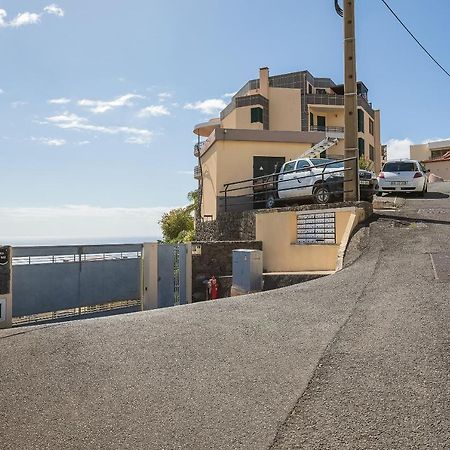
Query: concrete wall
[278, 233]
[214, 258]
[284, 109]
[439, 168]
[420, 152]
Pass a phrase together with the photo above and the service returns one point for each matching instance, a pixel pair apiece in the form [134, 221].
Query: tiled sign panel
[316, 228]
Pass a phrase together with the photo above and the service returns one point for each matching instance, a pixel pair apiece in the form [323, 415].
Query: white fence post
[150, 275]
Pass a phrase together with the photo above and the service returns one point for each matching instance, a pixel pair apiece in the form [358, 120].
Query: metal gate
[49, 279]
[172, 275]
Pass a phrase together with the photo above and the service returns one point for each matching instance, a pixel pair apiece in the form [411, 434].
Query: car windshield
[334, 165]
[399, 166]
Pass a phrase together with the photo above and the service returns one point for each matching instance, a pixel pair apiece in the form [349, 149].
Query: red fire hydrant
[213, 288]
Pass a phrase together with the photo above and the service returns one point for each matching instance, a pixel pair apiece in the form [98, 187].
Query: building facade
[435, 156]
[271, 120]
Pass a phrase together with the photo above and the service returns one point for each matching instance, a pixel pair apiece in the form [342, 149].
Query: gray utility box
[248, 270]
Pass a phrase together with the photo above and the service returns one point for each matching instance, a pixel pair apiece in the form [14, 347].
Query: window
[319, 161]
[371, 153]
[302, 165]
[256, 115]
[310, 89]
[321, 91]
[361, 147]
[436, 154]
[371, 126]
[289, 167]
[360, 120]
[311, 119]
[399, 166]
[321, 123]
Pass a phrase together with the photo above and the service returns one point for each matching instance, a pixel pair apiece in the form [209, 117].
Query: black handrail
[273, 179]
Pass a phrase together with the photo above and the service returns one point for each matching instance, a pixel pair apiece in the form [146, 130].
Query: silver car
[403, 175]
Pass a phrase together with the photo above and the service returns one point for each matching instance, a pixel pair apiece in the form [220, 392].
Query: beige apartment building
[435, 156]
[271, 120]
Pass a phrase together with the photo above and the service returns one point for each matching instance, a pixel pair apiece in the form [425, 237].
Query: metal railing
[270, 184]
[198, 148]
[326, 129]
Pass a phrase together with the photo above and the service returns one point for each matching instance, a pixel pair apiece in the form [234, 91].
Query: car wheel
[322, 194]
[270, 201]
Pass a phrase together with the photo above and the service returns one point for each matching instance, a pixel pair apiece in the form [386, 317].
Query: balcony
[337, 100]
[198, 148]
[197, 173]
[333, 132]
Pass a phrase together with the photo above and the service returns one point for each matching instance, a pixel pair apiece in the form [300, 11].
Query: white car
[403, 175]
[320, 178]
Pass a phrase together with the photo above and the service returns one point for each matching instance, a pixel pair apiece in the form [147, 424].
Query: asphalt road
[357, 360]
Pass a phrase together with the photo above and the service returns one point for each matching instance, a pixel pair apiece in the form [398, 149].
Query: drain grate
[441, 266]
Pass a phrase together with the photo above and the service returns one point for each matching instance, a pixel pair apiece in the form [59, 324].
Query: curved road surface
[356, 360]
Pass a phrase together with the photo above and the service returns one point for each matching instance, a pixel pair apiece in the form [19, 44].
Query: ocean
[38, 240]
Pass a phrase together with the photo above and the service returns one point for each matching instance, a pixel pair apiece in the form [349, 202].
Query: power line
[412, 35]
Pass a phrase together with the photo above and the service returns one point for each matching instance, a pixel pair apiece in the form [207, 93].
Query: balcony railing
[198, 148]
[326, 129]
[197, 172]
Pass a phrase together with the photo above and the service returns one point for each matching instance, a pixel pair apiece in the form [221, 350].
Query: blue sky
[98, 99]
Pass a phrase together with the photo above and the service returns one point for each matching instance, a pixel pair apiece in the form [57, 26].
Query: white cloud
[54, 9]
[68, 120]
[84, 142]
[25, 18]
[231, 94]
[102, 106]
[59, 101]
[209, 106]
[52, 142]
[3, 15]
[28, 18]
[154, 110]
[164, 96]
[78, 222]
[398, 148]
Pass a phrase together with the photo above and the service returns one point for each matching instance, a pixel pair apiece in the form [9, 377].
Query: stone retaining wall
[234, 226]
[216, 258]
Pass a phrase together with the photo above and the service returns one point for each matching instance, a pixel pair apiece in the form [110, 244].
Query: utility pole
[351, 177]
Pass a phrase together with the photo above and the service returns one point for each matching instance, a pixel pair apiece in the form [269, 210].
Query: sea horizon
[84, 240]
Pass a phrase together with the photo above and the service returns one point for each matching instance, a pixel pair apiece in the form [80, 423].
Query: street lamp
[351, 175]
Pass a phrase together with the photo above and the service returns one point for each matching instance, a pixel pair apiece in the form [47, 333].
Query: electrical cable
[418, 42]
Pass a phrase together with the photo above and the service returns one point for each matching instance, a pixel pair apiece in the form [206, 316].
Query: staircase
[320, 147]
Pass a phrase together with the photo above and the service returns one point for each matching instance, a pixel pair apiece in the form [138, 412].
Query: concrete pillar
[5, 287]
[189, 273]
[152, 291]
[150, 276]
[264, 81]
[377, 141]
[351, 177]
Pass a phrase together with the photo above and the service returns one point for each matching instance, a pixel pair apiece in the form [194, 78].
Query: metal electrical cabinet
[248, 270]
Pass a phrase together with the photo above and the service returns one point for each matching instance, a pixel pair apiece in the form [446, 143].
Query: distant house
[435, 156]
